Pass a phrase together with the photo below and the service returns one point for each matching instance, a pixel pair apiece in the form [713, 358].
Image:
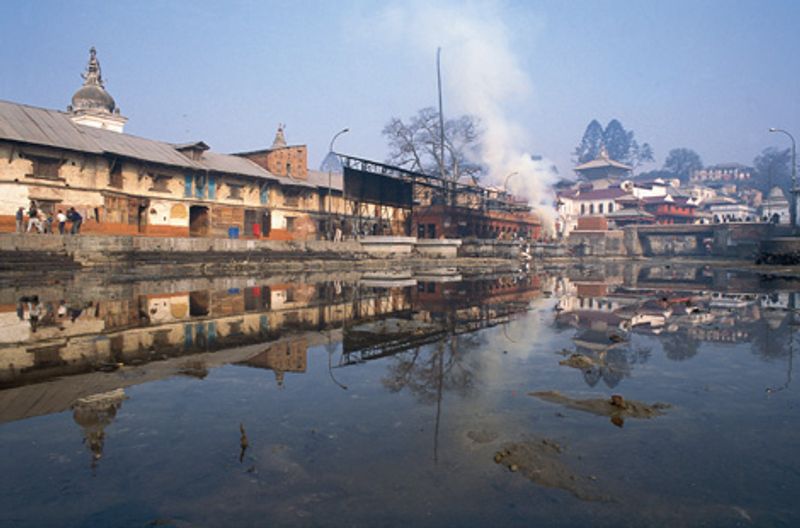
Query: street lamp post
[505, 183]
[793, 190]
[330, 152]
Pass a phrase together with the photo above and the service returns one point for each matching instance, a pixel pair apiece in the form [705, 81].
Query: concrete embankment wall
[784, 251]
[597, 244]
[734, 240]
[504, 249]
[20, 252]
[176, 257]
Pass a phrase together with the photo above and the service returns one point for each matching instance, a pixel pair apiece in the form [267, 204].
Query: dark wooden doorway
[199, 221]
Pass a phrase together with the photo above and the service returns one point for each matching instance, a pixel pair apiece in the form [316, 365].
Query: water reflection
[93, 414]
[684, 306]
[376, 392]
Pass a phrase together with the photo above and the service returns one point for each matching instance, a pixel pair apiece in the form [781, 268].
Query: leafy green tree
[682, 162]
[654, 174]
[773, 167]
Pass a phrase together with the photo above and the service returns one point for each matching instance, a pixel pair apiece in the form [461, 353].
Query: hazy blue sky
[712, 76]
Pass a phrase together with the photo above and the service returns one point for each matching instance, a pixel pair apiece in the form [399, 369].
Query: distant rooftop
[602, 161]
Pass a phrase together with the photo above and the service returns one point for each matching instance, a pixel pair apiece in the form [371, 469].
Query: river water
[443, 398]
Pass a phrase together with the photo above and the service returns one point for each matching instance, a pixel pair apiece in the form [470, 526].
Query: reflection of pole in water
[792, 325]
[505, 332]
[331, 348]
[243, 442]
[790, 365]
[440, 353]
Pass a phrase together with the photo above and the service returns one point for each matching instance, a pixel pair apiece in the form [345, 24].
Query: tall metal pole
[441, 116]
[330, 151]
[793, 190]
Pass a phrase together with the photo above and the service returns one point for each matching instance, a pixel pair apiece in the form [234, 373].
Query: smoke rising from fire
[481, 76]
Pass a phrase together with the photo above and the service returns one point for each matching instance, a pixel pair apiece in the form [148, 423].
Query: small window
[234, 192]
[45, 167]
[200, 186]
[290, 223]
[583, 209]
[591, 209]
[610, 207]
[291, 199]
[600, 208]
[160, 183]
[212, 187]
[115, 178]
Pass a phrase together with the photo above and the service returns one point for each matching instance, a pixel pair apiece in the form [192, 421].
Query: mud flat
[540, 461]
[616, 408]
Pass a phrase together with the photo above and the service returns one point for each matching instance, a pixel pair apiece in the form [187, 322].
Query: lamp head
[773, 129]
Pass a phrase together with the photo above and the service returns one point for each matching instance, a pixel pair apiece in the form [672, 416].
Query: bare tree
[416, 144]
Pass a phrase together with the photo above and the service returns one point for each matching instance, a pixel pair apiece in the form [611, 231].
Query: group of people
[41, 222]
[38, 313]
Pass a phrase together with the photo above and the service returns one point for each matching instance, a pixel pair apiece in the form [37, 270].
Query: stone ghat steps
[18, 252]
[11, 261]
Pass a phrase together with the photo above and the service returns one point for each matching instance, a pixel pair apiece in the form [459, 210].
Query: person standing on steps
[33, 219]
[61, 218]
[20, 220]
[76, 219]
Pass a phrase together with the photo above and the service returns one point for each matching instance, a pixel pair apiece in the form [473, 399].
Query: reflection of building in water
[285, 356]
[440, 309]
[149, 327]
[683, 307]
[93, 414]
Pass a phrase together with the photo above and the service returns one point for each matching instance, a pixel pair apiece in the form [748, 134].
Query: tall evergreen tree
[589, 147]
[617, 141]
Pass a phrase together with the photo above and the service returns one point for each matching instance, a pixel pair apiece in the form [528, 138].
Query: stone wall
[20, 252]
[597, 244]
[487, 248]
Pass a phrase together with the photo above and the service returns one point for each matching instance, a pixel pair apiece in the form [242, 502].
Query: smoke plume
[482, 76]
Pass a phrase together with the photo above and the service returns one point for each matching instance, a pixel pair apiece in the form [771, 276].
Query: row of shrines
[127, 185]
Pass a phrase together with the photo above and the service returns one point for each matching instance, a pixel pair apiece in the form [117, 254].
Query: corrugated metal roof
[234, 165]
[51, 128]
[138, 148]
[43, 127]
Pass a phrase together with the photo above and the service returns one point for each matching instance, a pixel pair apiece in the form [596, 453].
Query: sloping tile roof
[627, 213]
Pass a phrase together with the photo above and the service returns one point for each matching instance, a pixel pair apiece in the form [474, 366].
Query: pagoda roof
[602, 161]
[595, 194]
